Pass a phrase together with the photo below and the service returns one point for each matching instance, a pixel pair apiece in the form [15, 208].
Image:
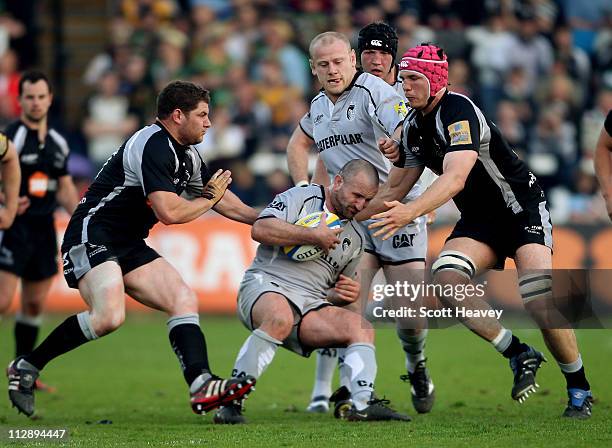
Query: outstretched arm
[398, 184]
[170, 208]
[233, 208]
[457, 166]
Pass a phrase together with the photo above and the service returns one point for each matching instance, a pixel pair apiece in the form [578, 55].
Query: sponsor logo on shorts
[96, 249]
[277, 205]
[403, 240]
[536, 230]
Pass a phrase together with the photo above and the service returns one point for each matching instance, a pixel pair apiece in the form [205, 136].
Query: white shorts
[408, 244]
[255, 284]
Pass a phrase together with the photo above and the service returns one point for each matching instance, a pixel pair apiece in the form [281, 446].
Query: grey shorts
[408, 244]
[254, 285]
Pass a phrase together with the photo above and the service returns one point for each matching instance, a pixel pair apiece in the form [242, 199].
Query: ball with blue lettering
[307, 252]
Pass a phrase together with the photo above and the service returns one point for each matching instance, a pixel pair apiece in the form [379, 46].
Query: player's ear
[312, 67]
[353, 58]
[177, 114]
[338, 181]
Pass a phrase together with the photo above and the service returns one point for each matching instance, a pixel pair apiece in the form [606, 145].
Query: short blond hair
[327, 38]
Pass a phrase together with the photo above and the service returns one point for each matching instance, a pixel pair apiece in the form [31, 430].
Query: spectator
[108, 120]
[530, 51]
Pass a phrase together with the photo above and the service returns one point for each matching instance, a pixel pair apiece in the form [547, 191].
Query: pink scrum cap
[429, 61]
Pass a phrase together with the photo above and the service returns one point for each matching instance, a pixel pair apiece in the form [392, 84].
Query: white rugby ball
[307, 252]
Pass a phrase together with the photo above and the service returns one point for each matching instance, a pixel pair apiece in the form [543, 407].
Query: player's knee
[359, 330]
[107, 321]
[185, 301]
[32, 308]
[278, 326]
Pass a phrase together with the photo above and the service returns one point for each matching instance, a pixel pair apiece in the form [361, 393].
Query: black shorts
[505, 232]
[28, 248]
[79, 259]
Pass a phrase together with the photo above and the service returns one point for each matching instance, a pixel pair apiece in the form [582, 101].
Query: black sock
[577, 380]
[25, 338]
[67, 336]
[188, 343]
[515, 348]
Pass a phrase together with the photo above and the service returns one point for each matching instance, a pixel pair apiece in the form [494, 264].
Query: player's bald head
[327, 38]
[359, 168]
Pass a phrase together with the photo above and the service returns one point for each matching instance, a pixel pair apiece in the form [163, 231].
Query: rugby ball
[307, 252]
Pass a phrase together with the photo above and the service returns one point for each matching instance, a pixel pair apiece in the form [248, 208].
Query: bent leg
[158, 285]
[102, 290]
[273, 320]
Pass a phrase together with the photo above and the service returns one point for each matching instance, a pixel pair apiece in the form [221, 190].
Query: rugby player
[504, 213]
[29, 248]
[105, 255]
[346, 119]
[287, 303]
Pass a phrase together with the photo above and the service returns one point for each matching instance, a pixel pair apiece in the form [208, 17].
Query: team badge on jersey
[350, 112]
[401, 109]
[460, 133]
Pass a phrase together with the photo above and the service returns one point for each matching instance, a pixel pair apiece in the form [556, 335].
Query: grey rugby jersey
[349, 129]
[309, 278]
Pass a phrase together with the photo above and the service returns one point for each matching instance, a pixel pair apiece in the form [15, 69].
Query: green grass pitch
[132, 378]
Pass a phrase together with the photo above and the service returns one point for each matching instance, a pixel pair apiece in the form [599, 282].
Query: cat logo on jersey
[350, 112]
[401, 109]
[460, 133]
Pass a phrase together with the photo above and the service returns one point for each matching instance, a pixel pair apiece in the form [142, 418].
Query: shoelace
[421, 384]
[383, 401]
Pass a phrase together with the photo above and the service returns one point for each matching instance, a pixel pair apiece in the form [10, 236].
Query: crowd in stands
[540, 69]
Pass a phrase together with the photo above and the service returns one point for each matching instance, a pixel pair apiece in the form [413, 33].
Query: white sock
[327, 359]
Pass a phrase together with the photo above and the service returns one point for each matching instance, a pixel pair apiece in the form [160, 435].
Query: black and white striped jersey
[42, 164]
[498, 180]
[115, 208]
